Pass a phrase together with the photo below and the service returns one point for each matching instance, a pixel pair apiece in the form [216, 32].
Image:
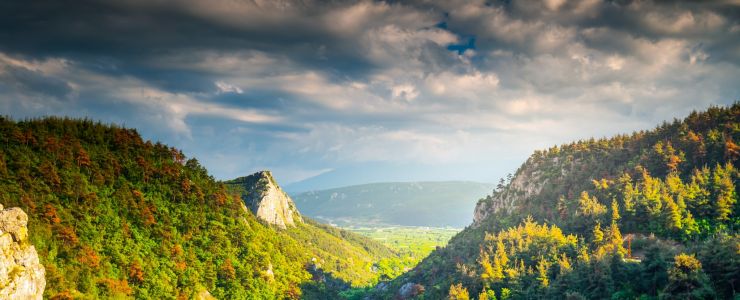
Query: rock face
[263, 196]
[527, 183]
[410, 290]
[21, 274]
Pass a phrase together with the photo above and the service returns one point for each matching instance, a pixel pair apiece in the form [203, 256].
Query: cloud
[224, 87]
[307, 86]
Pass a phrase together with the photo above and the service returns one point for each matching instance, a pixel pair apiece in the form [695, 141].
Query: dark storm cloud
[307, 86]
[130, 36]
[25, 80]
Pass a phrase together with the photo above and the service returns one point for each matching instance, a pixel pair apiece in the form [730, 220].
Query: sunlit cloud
[305, 88]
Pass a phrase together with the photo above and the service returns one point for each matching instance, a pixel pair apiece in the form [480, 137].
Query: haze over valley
[374, 150]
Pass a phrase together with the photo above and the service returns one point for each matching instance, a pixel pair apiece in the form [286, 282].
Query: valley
[426, 204]
[635, 205]
[370, 150]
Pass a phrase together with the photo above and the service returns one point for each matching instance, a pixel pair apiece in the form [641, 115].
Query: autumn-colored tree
[89, 257]
[65, 295]
[227, 270]
[67, 234]
[135, 273]
[51, 215]
[458, 292]
[49, 172]
[147, 215]
[82, 158]
[115, 288]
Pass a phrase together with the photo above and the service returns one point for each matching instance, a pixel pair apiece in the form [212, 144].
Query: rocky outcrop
[410, 290]
[21, 274]
[528, 182]
[263, 196]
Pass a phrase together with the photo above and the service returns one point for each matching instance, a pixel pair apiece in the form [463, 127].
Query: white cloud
[406, 92]
[224, 87]
[311, 85]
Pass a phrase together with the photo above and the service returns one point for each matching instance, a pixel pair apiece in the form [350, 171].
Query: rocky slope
[527, 183]
[21, 274]
[266, 199]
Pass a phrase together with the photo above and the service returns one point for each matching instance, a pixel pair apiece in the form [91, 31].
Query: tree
[598, 234]
[590, 206]
[564, 264]
[615, 211]
[458, 292]
[686, 280]
[628, 193]
[487, 294]
[614, 244]
[720, 260]
[501, 252]
[489, 272]
[83, 159]
[654, 270]
[542, 268]
[135, 273]
[505, 294]
[724, 191]
[672, 214]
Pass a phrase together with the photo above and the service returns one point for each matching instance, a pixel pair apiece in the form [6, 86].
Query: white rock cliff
[21, 274]
[267, 200]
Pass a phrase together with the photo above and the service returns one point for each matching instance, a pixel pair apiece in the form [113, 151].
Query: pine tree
[458, 292]
[598, 234]
[590, 206]
[615, 211]
[487, 294]
[673, 214]
[724, 190]
[564, 264]
[686, 280]
[497, 274]
[501, 252]
[628, 193]
[615, 240]
[542, 267]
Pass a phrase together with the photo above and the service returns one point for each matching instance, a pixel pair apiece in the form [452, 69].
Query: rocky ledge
[21, 274]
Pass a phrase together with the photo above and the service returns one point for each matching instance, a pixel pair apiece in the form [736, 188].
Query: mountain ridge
[554, 228]
[421, 203]
[112, 215]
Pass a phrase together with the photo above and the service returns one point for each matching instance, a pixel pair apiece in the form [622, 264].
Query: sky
[344, 92]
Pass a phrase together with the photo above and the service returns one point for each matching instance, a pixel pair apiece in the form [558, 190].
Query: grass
[416, 242]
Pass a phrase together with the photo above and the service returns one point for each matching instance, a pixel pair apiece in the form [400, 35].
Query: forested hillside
[112, 216]
[436, 204]
[653, 214]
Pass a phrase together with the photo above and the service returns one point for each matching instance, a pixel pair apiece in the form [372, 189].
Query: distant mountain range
[364, 173]
[436, 204]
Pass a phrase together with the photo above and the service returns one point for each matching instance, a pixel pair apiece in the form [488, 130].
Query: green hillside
[649, 215]
[114, 216]
[436, 204]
